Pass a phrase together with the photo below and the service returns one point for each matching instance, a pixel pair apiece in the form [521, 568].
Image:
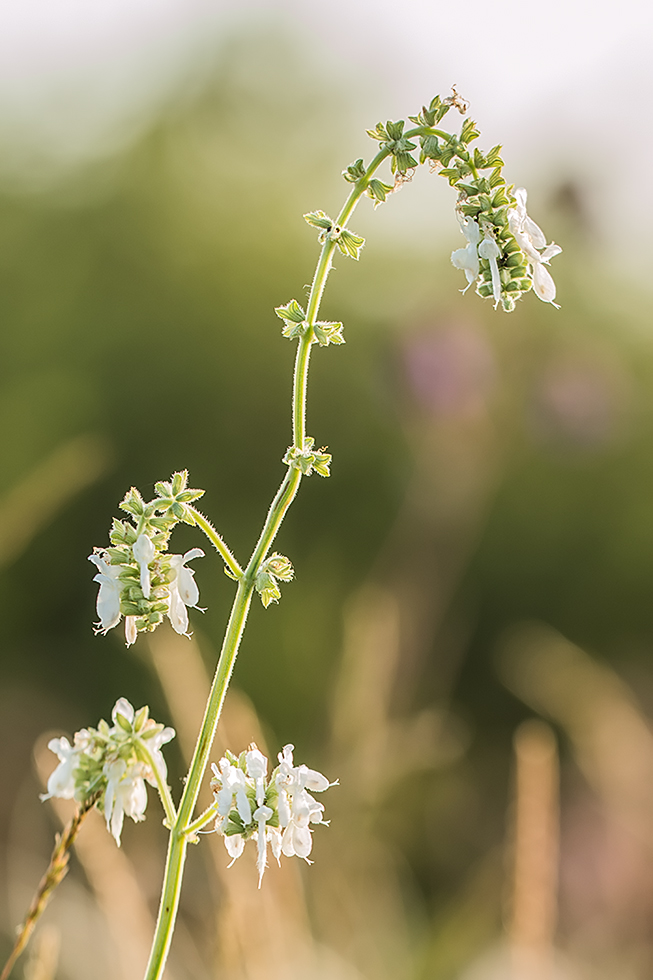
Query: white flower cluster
[277, 811]
[138, 577]
[112, 764]
[503, 263]
[178, 594]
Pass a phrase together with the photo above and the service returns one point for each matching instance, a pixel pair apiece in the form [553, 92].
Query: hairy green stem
[184, 825]
[205, 525]
[162, 787]
[178, 836]
[206, 817]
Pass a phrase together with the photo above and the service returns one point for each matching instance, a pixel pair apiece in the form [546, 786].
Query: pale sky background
[565, 85]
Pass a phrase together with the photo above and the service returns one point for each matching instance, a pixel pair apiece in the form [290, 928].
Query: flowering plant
[141, 582]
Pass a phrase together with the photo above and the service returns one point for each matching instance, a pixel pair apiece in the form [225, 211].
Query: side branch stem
[217, 542]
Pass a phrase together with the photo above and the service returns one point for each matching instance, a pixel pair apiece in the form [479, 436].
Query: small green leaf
[493, 158]
[469, 131]
[318, 219]
[132, 502]
[378, 191]
[496, 179]
[349, 244]
[328, 333]
[430, 147]
[122, 722]
[395, 129]
[379, 133]
[291, 311]
[355, 171]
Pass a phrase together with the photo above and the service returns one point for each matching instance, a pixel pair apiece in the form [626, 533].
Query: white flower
[125, 795]
[183, 590]
[257, 767]
[467, 258]
[532, 241]
[108, 600]
[284, 807]
[153, 746]
[261, 815]
[297, 808]
[488, 249]
[234, 784]
[61, 782]
[112, 763]
[151, 743]
[143, 551]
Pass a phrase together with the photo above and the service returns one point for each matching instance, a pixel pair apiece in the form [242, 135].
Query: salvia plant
[142, 583]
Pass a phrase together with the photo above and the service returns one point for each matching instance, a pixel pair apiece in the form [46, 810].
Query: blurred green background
[489, 470]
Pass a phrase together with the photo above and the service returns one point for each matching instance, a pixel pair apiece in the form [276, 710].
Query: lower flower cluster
[278, 810]
[112, 763]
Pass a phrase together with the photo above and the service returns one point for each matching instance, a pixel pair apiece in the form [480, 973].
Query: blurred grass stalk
[535, 856]
[44, 959]
[29, 506]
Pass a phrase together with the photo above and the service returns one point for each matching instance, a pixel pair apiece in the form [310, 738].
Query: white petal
[235, 845]
[472, 231]
[61, 782]
[549, 252]
[316, 781]
[261, 858]
[302, 841]
[274, 837]
[225, 799]
[285, 756]
[134, 797]
[543, 284]
[108, 600]
[125, 708]
[534, 232]
[488, 249]
[288, 842]
[243, 807]
[257, 764]
[193, 553]
[131, 632]
[177, 612]
[117, 820]
[166, 735]
[283, 808]
[187, 586]
[521, 196]
[143, 551]
[263, 814]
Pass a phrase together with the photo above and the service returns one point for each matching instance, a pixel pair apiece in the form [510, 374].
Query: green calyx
[308, 459]
[277, 568]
